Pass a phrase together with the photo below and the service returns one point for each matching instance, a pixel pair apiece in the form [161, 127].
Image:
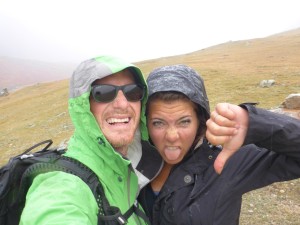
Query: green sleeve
[58, 198]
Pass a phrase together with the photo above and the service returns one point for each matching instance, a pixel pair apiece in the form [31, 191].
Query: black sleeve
[271, 152]
[276, 132]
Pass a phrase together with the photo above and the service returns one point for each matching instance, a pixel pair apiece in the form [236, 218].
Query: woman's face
[172, 127]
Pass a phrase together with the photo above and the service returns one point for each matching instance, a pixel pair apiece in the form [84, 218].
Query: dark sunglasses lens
[104, 93]
[133, 92]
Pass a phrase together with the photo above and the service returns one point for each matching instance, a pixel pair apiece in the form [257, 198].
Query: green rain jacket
[61, 198]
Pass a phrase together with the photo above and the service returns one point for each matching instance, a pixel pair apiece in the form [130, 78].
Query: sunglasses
[107, 92]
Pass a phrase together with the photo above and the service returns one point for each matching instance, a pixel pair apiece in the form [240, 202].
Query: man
[106, 105]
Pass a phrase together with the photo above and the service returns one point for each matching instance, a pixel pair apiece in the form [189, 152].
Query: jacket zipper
[135, 217]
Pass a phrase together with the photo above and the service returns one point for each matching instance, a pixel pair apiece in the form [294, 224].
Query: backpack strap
[135, 209]
[39, 144]
[111, 213]
[54, 160]
[58, 162]
[107, 215]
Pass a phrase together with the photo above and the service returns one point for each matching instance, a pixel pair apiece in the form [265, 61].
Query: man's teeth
[115, 120]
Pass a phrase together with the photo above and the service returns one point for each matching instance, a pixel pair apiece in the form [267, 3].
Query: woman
[188, 189]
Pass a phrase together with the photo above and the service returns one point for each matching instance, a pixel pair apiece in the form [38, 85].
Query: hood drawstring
[100, 141]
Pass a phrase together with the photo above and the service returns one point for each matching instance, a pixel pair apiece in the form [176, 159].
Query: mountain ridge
[277, 48]
[17, 73]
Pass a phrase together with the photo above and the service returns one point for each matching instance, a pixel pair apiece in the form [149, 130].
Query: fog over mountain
[16, 73]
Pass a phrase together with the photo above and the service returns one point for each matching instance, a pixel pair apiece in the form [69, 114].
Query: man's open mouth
[113, 121]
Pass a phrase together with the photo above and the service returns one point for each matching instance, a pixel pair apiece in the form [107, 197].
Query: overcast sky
[75, 30]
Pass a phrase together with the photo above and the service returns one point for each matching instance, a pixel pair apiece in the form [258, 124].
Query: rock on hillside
[292, 102]
[290, 106]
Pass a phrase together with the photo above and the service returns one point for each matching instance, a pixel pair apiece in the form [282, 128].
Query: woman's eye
[185, 122]
[157, 123]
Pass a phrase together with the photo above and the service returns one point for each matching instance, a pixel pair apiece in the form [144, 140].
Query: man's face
[119, 118]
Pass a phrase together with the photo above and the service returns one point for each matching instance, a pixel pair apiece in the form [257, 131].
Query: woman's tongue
[172, 153]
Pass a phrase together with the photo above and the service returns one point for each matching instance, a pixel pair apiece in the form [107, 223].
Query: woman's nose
[172, 134]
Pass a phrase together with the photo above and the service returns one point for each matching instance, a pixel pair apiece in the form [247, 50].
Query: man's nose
[120, 101]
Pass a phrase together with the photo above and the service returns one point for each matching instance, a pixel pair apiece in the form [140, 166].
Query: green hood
[87, 132]
[88, 142]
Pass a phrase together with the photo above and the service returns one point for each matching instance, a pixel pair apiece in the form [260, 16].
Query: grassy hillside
[232, 72]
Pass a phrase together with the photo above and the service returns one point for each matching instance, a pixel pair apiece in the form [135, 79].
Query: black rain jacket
[195, 194]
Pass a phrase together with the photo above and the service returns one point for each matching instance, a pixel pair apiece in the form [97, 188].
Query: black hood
[179, 78]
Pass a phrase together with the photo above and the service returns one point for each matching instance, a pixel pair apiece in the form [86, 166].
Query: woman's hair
[170, 96]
